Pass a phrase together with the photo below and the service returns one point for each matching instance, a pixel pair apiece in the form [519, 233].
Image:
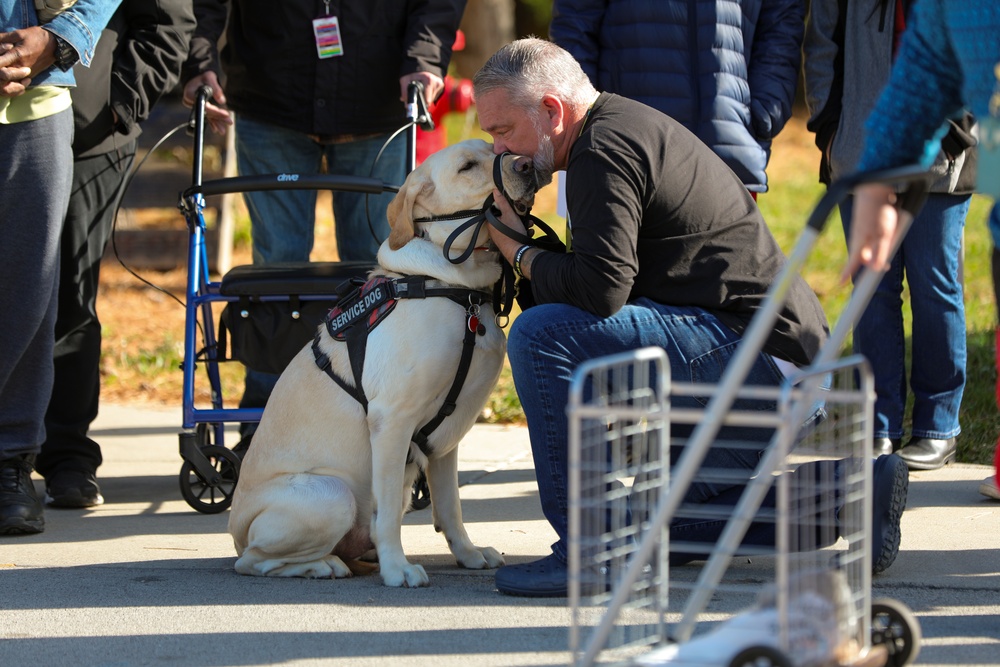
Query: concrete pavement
[145, 580]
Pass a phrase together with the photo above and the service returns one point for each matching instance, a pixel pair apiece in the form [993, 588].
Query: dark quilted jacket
[726, 69]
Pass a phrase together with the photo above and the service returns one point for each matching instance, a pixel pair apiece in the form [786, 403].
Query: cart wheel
[214, 495]
[895, 627]
[760, 656]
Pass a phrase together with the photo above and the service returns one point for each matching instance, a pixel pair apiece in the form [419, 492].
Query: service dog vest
[367, 305]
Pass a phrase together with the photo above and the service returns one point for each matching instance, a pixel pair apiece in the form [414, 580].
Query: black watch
[66, 55]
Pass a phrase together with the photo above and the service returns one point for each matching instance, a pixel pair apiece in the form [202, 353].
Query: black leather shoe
[890, 484]
[927, 453]
[21, 511]
[544, 578]
[882, 446]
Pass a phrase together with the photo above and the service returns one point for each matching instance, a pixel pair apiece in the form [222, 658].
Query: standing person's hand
[216, 113]
[873, 229]
[23, 54]
[433, 86]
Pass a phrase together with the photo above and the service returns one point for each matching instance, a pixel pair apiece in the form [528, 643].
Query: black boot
[21, 511]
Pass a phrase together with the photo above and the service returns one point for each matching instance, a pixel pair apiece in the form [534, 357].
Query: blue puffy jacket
[726, 69]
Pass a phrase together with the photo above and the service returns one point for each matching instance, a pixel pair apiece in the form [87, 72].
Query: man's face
[518, 131]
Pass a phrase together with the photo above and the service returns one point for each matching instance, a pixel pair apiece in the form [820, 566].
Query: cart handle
[916, 178]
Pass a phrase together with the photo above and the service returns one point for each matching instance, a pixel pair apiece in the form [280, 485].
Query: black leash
[505, 289]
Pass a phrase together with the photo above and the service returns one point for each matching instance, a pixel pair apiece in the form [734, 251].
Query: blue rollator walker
[271, 311]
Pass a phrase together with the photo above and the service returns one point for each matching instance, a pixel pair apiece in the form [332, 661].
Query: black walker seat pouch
[278, 308]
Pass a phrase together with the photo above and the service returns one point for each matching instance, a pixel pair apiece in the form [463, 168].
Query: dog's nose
[522, 164]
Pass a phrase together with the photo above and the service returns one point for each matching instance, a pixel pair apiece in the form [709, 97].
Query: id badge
[327, 32]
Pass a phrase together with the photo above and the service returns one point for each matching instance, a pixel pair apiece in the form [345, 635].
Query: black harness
[362, 308]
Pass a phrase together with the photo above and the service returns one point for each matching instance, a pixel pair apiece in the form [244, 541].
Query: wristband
[517, 260]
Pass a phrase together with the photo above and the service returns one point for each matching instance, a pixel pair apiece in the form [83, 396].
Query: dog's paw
[410, 575]
[338, 568]
[329, 567]
[480, 559]
[493, 557]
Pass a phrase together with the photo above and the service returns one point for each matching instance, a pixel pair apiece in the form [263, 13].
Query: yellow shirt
[35, 103]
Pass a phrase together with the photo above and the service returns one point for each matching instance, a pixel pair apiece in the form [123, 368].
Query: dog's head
[455, 179]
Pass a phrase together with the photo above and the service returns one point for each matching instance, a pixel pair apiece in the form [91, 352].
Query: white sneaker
[989, 488]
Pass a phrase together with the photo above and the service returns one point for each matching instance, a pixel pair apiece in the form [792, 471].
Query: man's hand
[505, 244]
[433, 86]
[24, 53]
[873, 227]
[218, 117]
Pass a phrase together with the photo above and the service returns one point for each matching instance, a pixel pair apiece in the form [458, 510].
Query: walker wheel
[760, 656]
[896, 628]
[211, 496]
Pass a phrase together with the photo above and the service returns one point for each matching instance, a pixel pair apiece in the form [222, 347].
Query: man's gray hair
[528, 69]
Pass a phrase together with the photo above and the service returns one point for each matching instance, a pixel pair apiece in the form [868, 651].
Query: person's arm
[81, 25]
[147, 64]
[923, 91]
[26, 53]
[203, 67]
[773, 69]
[904, 128]
[823, 68]
[604, 202]
[575, 27]
[203, 52]
[431, 27]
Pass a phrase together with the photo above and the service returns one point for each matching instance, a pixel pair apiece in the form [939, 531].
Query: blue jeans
[547, 342]
[282, 223]
[929, 257]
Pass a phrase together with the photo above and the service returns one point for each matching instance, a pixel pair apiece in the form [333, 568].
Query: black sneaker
[890, 483]
[69, 488]
[21, 511]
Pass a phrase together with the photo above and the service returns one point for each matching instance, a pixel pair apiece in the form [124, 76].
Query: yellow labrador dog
[325, 479]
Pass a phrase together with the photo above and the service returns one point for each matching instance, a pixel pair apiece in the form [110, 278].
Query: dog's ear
[400, 212]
